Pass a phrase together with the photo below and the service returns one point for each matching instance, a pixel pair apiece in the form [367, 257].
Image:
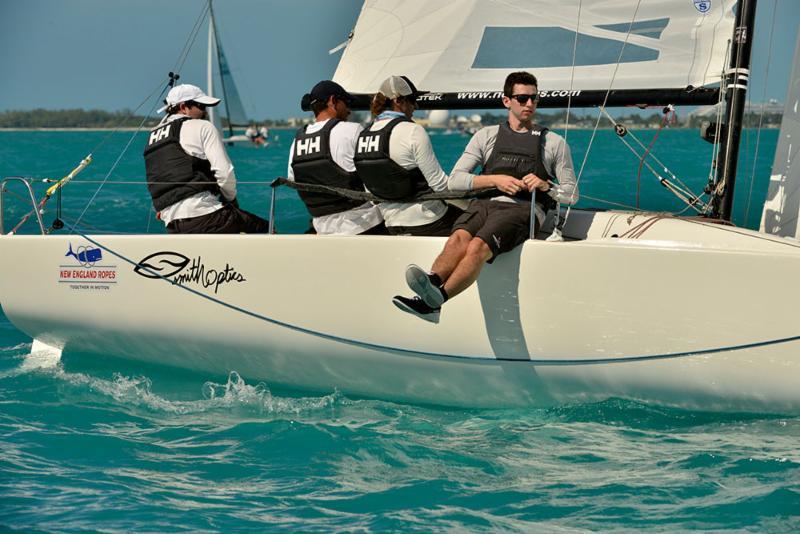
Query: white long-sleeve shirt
[344, 137]
[410, 147]
[199, 138]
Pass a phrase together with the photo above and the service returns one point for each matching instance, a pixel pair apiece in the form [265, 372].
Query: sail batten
[448, 46]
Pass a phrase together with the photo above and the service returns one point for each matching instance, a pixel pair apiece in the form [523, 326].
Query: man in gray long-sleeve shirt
[519, 158]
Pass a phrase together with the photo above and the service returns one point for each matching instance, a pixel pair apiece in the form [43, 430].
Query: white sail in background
[472, 45]
[782, 207]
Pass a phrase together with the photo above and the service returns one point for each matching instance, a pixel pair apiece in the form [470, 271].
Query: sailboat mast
[210, 63]
[737, 78]
[212, 24]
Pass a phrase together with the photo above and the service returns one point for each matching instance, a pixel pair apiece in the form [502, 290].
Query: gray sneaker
[415, 306]
[420, 283]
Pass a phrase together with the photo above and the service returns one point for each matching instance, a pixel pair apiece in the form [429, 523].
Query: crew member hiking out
[521, 159]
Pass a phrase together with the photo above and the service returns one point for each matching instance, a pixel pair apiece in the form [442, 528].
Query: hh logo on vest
[307, 146]
[158, 135]
[368, 144]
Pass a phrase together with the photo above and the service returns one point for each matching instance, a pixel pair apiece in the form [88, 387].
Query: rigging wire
[603, 105]
[664, 121]
[761, 116]
[715, 148]
[626, 207]
[572, 70]
[682, 191]
[198, 24]
[178, 65]
[114, 166]
[139, 182]
[558, 224]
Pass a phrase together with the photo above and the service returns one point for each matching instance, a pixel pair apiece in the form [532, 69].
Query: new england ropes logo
[182, 270]
[702, 5]
[86, 256]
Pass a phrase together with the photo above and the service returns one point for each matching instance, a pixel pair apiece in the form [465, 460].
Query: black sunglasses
[198, 105]
[523, 99]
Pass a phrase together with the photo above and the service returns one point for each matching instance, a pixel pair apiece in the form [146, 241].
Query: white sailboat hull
[673, 311]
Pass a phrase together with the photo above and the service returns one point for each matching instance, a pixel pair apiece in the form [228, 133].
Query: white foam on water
[234, 397]
[35, 356]
[42, 356]
[16, 348]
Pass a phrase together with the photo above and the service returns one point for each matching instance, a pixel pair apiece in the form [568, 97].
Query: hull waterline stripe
[477, 359]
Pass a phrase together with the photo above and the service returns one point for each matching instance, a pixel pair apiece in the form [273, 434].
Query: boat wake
[234, 396]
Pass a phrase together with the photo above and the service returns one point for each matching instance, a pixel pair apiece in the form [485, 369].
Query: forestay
[782, 207]
[472, 45]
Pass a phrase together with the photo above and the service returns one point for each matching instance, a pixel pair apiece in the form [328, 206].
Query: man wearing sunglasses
[523, 161]
[322, 154]
[189, 175]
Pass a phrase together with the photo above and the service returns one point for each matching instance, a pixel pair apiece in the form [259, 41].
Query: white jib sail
[782, 207]
[472, 45]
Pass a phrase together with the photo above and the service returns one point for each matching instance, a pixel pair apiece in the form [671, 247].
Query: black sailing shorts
[501, 225]
[228, 220]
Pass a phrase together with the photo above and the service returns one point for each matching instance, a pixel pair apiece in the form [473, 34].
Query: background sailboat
[234, 113]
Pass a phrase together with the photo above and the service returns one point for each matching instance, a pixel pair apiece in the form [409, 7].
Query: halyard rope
[605, 100]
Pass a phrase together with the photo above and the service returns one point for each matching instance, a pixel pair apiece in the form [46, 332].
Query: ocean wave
[235, 396]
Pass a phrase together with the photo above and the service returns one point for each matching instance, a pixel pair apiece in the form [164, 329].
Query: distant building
[297, 122]
[771, 107]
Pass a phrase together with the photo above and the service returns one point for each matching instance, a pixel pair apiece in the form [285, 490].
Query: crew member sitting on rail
[395, 159]
[322, 154]
[189, 174]
[521, 159]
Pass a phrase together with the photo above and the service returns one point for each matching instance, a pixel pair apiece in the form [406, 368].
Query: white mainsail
[472, 45]
[782, 207]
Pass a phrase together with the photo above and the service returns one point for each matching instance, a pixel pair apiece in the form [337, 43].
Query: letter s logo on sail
[161, 265]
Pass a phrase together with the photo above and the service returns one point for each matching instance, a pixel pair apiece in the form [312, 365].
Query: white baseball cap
[186, 92]
[397, 86]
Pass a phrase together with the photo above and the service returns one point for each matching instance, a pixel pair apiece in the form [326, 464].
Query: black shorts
[441, 227]
[501, 225]
[228, 220]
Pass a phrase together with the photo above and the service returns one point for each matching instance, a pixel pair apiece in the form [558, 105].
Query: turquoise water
[118, 445]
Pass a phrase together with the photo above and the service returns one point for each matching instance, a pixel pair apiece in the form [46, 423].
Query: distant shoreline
[85, 129]
[292, 128]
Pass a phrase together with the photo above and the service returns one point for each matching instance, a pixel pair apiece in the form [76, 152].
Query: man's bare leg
[468, 269]
[454, 250]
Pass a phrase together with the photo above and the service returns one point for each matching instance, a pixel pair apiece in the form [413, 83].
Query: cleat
[420, 283]
[416, 306]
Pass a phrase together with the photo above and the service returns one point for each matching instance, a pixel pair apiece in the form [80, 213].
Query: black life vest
[384, 177]
[518, 154]
[172, 174]
[312, 163]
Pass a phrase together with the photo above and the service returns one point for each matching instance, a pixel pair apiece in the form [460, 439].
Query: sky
[112, 54]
